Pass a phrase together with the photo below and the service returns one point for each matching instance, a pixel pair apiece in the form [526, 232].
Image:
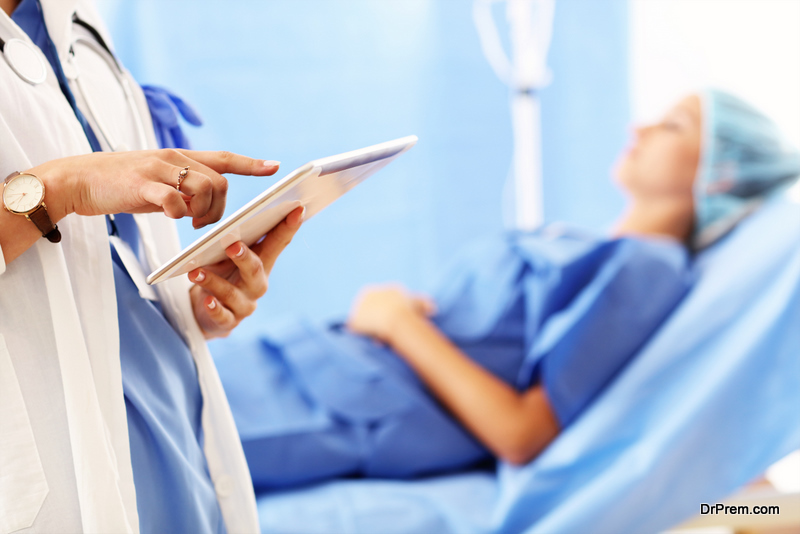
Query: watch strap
[42, 220]
[10, 176]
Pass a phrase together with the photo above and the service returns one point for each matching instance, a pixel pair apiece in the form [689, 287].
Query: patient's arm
[514, 426]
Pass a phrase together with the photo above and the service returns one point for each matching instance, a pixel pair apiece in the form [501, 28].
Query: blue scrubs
[564, 310]
[174, 492]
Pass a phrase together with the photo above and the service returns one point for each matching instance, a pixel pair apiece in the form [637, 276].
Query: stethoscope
[24, 60]
[28, 63]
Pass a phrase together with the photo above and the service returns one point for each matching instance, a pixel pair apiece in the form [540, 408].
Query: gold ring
[181, 176]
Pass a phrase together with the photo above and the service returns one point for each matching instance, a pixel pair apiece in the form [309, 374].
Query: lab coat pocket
[23, 486]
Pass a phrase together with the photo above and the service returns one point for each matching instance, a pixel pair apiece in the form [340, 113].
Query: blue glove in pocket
[165, 107]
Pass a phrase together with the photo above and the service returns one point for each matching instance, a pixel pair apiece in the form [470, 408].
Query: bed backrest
[707, 405]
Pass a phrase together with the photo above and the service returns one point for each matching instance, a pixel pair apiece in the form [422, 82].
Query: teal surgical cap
[745, 159]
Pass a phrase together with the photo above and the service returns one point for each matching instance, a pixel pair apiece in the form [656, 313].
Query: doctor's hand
[145, 181]
[378, 310]
[226, 292]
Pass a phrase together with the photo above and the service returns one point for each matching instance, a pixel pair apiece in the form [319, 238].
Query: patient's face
[662, 160]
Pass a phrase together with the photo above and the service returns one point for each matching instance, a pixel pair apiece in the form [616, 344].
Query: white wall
[750, 47]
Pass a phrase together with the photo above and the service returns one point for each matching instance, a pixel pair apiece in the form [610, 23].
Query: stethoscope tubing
[27, 62]
[126, 89]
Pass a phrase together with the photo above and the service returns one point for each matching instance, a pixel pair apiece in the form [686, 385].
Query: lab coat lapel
[99, 484]
[94, 297]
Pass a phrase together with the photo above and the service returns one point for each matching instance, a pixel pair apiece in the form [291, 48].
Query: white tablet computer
[314, 185]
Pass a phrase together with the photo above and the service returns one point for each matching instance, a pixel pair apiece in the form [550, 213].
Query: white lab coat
[64, 454]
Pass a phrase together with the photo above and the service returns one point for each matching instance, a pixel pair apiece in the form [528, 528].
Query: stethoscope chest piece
[25, 60]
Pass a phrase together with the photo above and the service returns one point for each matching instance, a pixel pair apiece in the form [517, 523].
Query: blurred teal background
[295, 80]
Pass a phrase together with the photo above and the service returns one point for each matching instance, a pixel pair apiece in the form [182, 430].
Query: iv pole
[530, 28]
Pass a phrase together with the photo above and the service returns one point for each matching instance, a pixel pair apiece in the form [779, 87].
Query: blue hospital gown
[555, 307]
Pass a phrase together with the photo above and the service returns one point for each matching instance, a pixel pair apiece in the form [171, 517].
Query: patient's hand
[378, 310]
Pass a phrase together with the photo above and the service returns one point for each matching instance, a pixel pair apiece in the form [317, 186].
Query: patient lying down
[523, 334]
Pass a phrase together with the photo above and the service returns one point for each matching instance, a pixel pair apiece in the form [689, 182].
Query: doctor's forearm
[138, 181]
[514, 426]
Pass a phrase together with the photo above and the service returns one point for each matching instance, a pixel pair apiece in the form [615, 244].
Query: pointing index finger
[225, 162]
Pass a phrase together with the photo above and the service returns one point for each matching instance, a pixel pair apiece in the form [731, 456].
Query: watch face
[23, 193]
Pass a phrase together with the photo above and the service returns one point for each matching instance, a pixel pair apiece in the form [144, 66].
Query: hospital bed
[708, 404]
